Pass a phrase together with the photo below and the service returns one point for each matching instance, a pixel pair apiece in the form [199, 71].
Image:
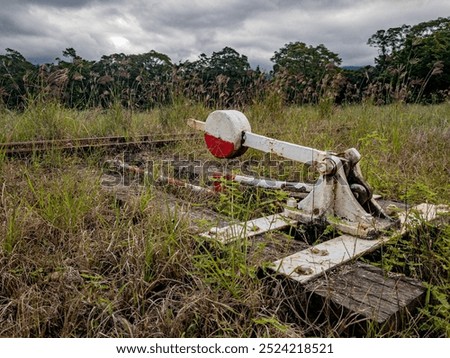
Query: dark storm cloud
[200, 27]
[200, 15]
[185, 29]
[60, 3]
[18, 22]
[9, 26]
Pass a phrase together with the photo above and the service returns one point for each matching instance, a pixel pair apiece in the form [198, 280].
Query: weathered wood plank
[401, 283]
[411, 281]
[379, 299]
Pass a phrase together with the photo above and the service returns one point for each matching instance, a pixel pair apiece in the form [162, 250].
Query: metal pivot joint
[340, 197]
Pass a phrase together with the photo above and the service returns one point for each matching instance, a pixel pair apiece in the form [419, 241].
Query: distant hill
[352, 68]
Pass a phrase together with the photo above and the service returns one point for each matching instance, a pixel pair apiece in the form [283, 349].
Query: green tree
[17, 79]
[388, 42]
[413, 61]
[141, 80]
[297, 57]
[303, 72]
[222, 80]
[151, 78]
[79, 91]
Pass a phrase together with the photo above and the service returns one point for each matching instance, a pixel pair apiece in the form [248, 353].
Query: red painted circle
[219, 147]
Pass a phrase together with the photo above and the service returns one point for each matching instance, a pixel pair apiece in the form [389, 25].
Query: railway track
[134, 143]
[118, 142]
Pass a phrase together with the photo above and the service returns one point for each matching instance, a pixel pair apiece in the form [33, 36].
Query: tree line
[412, 66]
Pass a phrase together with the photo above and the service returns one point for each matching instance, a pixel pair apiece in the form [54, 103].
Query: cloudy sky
[183, 29]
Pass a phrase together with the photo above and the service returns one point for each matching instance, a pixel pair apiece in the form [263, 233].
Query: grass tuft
[78, 259]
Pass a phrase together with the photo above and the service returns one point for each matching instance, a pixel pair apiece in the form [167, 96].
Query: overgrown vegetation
[76, 260]
[412, 67]
[79, 258]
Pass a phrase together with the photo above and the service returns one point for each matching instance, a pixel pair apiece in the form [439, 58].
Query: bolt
[319, 252]
[301, 270]
[326, 166]
[392, 209]
[291, 203]
[352, 155]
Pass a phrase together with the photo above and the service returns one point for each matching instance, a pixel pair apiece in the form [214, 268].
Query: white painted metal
[227, 125]
[308, 264]
[419, 214]
[230, 125]
[250, 228]
[272, 184]
[286, 150]
[195, 124]
[291, 203]
[331, 198]
[313, 262]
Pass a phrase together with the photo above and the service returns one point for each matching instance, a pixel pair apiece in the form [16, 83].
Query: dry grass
[76, 261]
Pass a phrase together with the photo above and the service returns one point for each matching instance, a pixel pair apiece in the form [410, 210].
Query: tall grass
[77, 260]
[47, 119]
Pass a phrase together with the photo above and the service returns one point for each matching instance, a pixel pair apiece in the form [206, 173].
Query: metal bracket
[340, 197]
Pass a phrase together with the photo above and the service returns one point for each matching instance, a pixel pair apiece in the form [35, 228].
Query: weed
[78, 260]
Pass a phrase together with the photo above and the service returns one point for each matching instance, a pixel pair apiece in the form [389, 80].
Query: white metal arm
[340, 196]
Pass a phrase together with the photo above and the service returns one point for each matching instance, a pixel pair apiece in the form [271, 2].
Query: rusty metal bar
[94, 142]
[161, 180]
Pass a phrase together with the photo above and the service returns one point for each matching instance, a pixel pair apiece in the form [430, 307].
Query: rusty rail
[122, 142]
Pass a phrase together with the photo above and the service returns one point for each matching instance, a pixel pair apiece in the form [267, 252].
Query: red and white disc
[223, 133]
